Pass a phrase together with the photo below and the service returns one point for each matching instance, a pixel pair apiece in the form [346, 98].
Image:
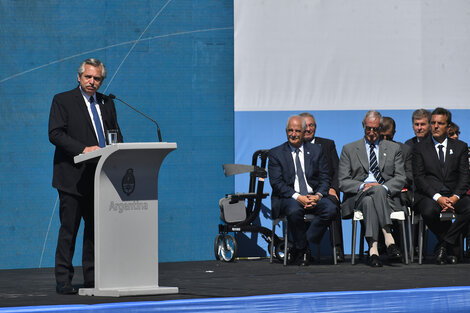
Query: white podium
[126, 219]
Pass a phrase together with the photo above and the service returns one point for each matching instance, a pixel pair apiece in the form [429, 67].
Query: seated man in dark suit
[421, 127]
[329, 149]
[298, 174]
[371, 176]
[441, 177]
[387, 133]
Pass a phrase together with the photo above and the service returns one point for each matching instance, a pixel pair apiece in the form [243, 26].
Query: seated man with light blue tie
[298, 174]
[373, 184]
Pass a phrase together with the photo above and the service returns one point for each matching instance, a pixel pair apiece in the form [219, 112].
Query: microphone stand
[130, 106]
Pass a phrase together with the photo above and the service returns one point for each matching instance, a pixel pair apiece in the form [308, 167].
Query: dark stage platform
[215, 279]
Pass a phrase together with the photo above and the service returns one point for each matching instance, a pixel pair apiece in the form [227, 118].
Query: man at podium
[78, 121]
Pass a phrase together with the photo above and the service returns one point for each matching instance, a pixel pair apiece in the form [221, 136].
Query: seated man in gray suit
[371, 175]
[298, 174]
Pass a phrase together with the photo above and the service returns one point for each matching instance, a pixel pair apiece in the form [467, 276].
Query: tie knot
[440, 147]
[372, 146]
[92, 100]
[297, 150]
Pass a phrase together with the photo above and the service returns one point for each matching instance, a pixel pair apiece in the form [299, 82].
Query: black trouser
[72, 209]
[336, 236]
[325, 212]
[445, 231]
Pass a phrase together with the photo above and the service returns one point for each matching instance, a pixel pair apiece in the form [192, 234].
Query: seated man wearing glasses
[371, 175]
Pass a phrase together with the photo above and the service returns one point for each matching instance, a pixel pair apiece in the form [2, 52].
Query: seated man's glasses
[374, 129]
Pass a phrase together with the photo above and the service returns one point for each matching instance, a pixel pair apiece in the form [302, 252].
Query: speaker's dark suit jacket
[282, 173]
[71, 130]
[429, 179]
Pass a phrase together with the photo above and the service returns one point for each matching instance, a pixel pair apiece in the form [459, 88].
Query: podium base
[122, 292]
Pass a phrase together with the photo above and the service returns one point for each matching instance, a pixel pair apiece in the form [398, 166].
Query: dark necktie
[300, 174]
[374, 166]
[441, 155]
[99, 128]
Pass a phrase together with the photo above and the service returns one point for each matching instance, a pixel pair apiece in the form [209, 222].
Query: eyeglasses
[451, 133]
[374, 129]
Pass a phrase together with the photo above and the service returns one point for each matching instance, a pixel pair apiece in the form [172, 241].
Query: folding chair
[399, 216]
[308, 218]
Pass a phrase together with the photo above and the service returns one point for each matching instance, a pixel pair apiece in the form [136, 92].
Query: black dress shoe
[339, 254]
[441, 255]
[393, 253]
[374, 261]
[452, 259]
[303, 258]
[66, 289]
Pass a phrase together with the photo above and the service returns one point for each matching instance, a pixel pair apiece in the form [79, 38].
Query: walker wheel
[225, 247]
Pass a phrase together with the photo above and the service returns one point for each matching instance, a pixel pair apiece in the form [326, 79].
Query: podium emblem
[128, 182]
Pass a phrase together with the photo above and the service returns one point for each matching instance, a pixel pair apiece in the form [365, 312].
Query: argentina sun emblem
[128, 182]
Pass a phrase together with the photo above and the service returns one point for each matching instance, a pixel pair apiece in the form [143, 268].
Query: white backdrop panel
[351, 55]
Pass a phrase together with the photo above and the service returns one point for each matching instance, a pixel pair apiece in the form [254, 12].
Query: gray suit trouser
[376, 210]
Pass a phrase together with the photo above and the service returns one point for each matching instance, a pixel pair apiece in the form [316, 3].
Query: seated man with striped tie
[373, 184]
[441, 176]
[298, 174]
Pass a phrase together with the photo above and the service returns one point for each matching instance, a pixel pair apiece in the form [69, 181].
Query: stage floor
[214, 279]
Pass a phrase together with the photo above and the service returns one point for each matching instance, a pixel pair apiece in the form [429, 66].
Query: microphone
[158, 128]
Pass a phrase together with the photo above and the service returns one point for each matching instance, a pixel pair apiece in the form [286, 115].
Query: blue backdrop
[171, 59]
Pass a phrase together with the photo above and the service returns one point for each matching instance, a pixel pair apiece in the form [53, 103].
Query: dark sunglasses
[375, 129]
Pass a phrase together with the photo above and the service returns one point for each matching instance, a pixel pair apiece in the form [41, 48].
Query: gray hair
[372, 115]
[304, 125]
[419, 114]
[92, 62]
[306, 114]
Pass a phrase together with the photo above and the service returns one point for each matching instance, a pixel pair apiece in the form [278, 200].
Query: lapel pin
[451, 152]
[308, 152]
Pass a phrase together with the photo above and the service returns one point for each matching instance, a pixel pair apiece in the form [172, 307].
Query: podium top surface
[124, 146]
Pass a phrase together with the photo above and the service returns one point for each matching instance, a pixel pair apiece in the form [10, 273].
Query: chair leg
[272, 243]
[420, 241]
[332, 230]
[353, 245]
[425, 239]
[461, 248]
[410, 240]
[286, 242]
[335, 261]
[405, 248]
